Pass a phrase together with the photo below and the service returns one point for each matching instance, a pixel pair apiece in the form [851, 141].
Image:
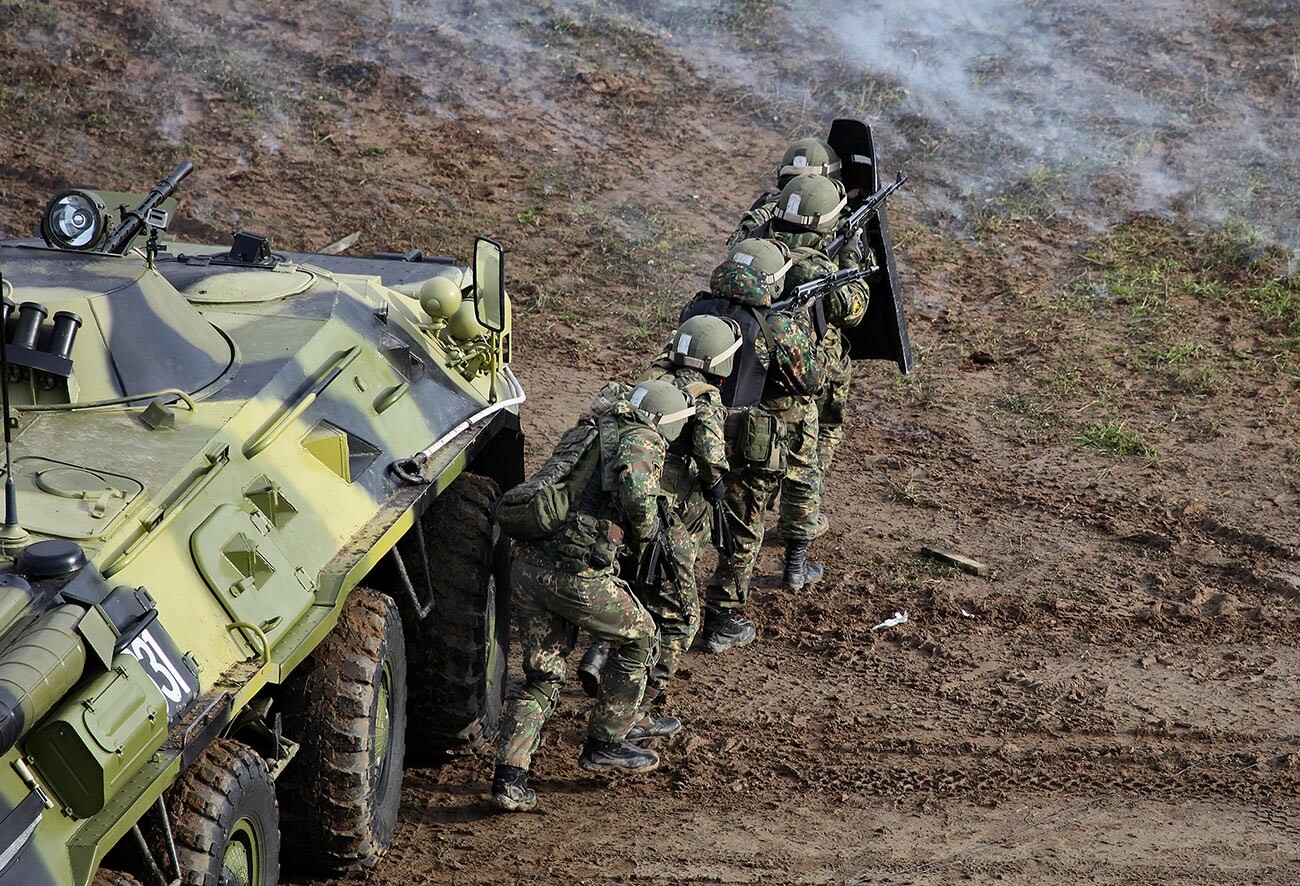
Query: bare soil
[1106, 417]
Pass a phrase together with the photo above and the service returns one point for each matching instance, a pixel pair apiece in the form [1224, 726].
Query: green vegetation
[1115, 438]
[37, 12]
[1147, 264]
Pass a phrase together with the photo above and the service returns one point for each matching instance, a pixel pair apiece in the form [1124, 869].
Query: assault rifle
[658, 556]
[721, 535]
[805, 295]
[858, 219]
[809, 296]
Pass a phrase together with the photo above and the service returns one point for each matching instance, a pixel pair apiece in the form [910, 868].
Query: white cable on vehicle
[409, 469]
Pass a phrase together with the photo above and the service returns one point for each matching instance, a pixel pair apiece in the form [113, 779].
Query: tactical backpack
[541, 505]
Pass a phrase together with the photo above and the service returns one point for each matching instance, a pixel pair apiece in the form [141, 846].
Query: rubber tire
[228, 782]
[339, 811]
[459, 666]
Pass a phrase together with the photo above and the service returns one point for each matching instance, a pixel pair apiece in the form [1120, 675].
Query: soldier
[775, 376]
[801, 486]
[698, 357]
[810, 156]
[566, 581]
[804, 218]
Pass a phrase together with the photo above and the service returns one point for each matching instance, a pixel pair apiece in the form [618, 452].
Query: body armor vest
[748, 383]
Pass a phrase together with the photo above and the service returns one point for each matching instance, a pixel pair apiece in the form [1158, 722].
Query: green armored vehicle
[250, 562]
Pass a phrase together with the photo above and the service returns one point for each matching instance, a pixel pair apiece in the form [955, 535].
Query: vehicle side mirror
[489, 284]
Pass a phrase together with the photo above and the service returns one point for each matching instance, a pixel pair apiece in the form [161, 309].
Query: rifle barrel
[134, 220]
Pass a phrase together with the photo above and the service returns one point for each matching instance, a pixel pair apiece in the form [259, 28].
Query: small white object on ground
[900, 618]
[965, 614]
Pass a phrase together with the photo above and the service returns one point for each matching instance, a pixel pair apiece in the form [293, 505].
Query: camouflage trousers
[750, 487]
[801, 487]
[834, 400]
[550, 606]
[676, 609]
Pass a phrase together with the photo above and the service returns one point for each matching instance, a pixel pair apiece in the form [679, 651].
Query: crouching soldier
[594, 497]
[698, 357]
[776, 377]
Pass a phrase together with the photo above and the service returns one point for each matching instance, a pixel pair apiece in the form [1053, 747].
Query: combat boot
[510, 790]
[653, 727]
[617, 756]
[799, 570]
[723, 630]
[591, 666]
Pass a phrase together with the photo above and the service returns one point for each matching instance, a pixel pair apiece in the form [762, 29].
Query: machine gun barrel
[860, 216]
[134, 220]
[37, 669]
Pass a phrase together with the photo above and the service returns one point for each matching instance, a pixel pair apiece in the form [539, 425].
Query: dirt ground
[1105, 412]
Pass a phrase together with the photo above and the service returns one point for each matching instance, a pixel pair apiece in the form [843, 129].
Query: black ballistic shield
[851, 141]
[882, 335]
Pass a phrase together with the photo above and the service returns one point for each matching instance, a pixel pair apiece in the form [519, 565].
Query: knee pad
[546, 695]
[637, 655]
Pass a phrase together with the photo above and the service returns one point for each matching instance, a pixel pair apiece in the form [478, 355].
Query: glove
[717, 492]
[850, 256]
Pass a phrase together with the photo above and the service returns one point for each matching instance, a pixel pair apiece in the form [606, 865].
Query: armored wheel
[225, 819]
[460, 650]
[347, 706]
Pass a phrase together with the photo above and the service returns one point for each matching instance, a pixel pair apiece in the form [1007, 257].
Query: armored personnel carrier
[250, 564]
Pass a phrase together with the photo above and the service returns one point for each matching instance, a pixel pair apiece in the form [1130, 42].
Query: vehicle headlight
[74, 220]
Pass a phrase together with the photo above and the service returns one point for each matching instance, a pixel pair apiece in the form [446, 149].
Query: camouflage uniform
[694, 463]
[551, 602]
[845, 308]
[794, 376]
[756, 220]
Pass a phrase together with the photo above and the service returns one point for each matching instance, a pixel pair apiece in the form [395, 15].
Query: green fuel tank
[38, 669]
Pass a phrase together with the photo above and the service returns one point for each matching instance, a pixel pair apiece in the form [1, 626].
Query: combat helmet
[739, 283]
[807, 156]
[706, 343]
[771, 258]
[664, 406]
[812, 202]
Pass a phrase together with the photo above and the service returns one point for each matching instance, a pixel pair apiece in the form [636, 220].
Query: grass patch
[911, 389]
[34, 11]
[1278, 301]
[1149, 264]
[1116, 438]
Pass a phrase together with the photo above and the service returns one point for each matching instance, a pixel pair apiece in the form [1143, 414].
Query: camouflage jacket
[755, 220]
[847, 305]
[635, 472]
[795, 364]
[707, 445]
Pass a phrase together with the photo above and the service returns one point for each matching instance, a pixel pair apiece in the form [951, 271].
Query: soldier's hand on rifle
[850, 256]
[717, 492]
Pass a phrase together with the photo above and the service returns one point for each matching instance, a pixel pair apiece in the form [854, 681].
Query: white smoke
[1108, 105]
